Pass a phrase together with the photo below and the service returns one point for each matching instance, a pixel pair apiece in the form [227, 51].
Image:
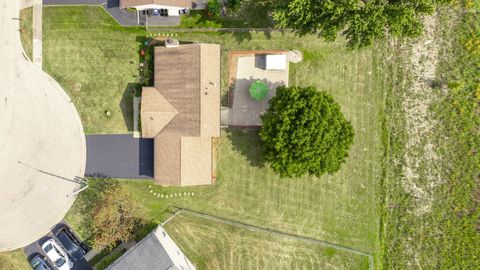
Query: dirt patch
[77, 87]
[420, 172]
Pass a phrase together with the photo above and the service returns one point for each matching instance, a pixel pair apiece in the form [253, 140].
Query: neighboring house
[157, 251]
[182, 113]
[173, 6]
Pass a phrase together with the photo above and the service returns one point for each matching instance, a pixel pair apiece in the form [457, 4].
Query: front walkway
[119, 156]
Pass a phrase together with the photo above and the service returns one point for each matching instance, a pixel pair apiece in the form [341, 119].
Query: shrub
[213, 9]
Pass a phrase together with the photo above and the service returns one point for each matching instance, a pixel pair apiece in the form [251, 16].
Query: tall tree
[305, 132]
[360, 21]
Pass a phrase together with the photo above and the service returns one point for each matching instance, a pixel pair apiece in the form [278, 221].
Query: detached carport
[119, 156]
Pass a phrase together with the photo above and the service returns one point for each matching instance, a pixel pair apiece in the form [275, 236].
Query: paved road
[35, 248]
[119, 156]
[42, 144]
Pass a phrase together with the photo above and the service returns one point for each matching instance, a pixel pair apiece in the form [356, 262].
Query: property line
[273, 232]
[171, 217]
[213, 29]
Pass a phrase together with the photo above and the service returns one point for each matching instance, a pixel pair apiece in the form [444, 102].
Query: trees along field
[361, 22]
[305, 132]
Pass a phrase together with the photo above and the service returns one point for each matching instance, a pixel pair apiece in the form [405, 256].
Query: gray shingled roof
[148, 254]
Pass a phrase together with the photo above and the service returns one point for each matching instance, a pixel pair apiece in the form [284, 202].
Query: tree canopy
[360, 21]
[305, 132]
[115, 216]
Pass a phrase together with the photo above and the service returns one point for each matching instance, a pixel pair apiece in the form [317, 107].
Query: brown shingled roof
[182, 112]
[173, 3]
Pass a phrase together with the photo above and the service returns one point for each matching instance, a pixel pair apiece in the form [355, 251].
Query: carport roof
[173, 3]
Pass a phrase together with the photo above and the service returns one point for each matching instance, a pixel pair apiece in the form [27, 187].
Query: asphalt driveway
[35, 248]
[119, 156]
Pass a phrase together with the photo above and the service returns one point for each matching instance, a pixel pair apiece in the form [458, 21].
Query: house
[173, 6]
[181, 112]
[157, 251]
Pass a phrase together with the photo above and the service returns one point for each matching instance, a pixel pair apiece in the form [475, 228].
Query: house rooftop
[157, 251]
[171, 3]
[182, 113]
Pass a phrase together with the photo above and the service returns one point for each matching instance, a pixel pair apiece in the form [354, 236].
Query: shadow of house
[145, 149]
[248, 143]
[113, 3]
[126, 105]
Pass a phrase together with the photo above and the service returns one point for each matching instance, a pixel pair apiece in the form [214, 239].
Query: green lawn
[214, 245]
[447, 233]
[26, 34]
[253, 14]
[95, 60]
[14, 260]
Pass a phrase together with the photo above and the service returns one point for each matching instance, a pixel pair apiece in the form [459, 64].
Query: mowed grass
[83, 45]
[26, 31]
[214, 245]
[96, 61]
[14, 259]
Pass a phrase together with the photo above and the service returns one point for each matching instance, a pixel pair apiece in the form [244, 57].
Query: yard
[214, 245]
[13, 260]
[96, 61]
[26, 34]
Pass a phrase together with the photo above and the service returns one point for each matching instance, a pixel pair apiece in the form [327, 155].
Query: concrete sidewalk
[37, 30]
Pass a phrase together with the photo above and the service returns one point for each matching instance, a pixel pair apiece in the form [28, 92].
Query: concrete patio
[246, 111]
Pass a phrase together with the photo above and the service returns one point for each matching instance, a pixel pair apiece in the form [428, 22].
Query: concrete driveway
[42, 144]
[119, 156]
[245, 110]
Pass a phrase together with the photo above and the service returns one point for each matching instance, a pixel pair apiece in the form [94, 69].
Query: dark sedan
[71, 245]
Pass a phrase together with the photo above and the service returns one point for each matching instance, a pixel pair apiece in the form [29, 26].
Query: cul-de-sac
[239, 134]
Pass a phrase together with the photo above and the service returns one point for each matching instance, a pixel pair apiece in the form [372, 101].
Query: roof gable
[156, 112]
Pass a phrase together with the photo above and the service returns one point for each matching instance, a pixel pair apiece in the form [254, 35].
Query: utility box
[275, 62]
[171, 43]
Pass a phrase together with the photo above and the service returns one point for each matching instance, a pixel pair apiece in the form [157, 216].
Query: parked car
[39, 263]
[153, 12]
[56, 254]
[71, 244]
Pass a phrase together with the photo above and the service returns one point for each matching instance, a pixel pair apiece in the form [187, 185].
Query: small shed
[275, 62]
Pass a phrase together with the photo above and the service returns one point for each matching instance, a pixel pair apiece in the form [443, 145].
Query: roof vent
[171, 43]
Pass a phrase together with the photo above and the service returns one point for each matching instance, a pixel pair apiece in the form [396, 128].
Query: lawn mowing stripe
[273, 232]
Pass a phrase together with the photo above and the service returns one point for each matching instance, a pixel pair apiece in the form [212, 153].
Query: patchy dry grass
[26, 32]
[214, 245]
[14, 260]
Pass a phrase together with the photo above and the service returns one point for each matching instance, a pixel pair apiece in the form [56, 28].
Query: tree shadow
[248, 143]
